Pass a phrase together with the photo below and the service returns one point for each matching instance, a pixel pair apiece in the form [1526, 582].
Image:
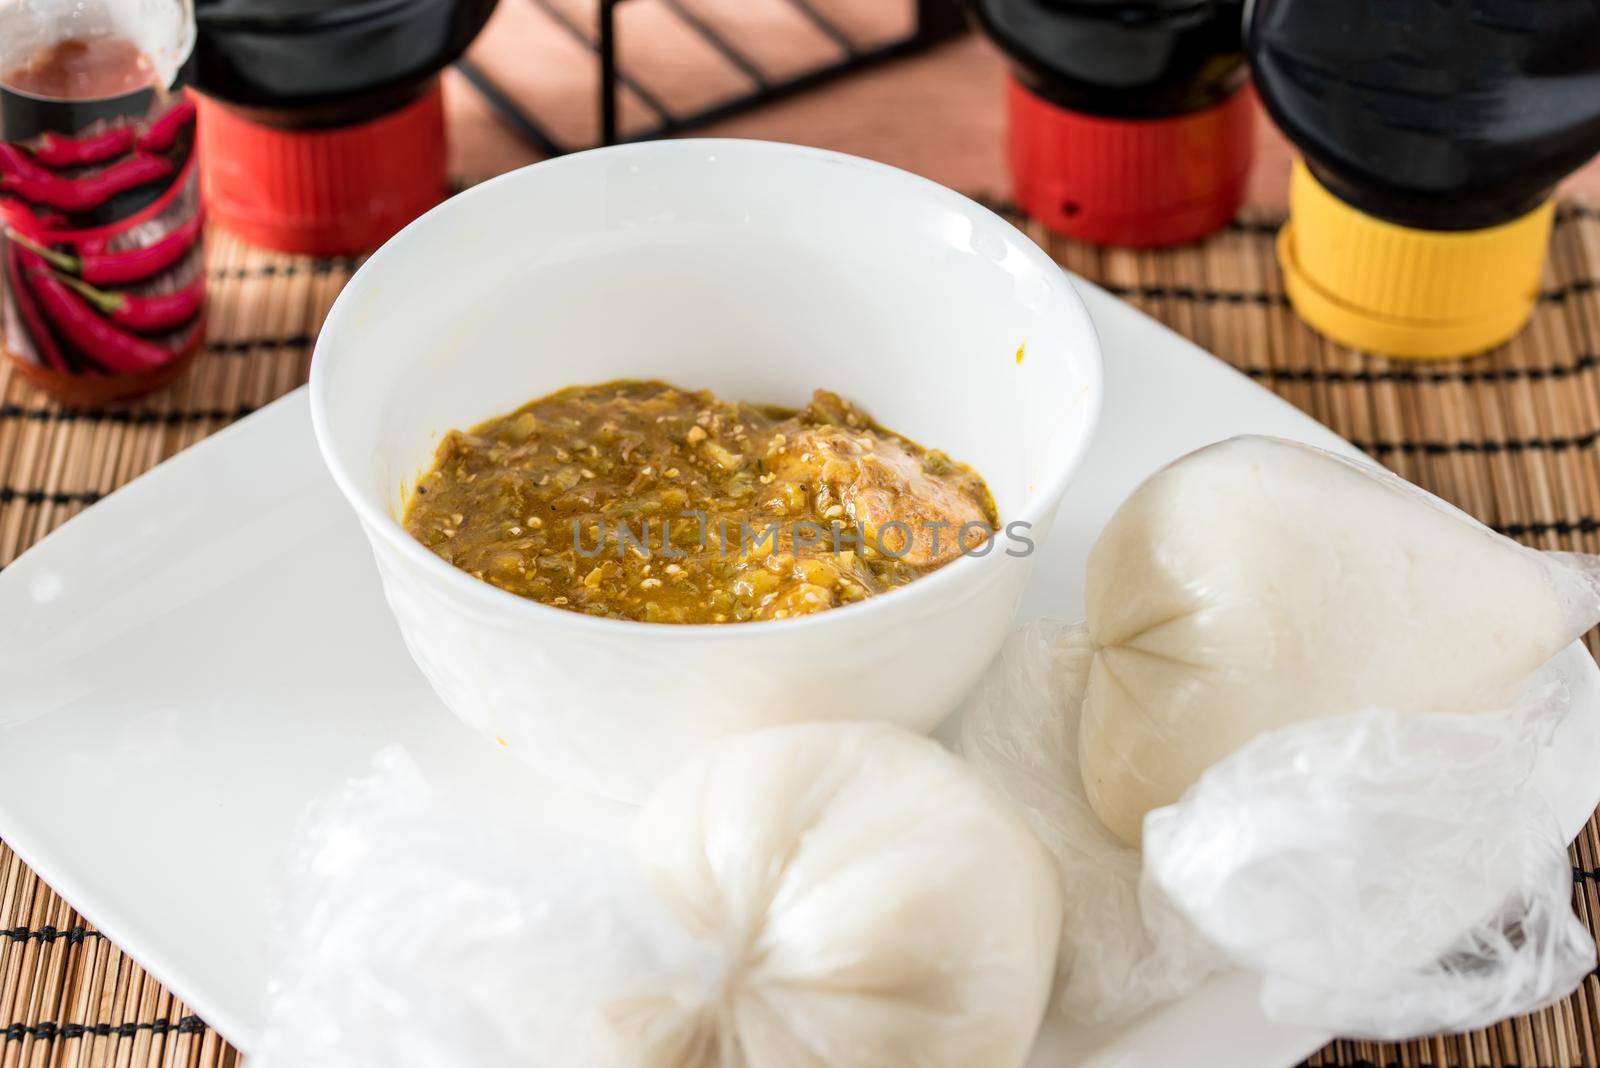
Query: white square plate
[211, 649]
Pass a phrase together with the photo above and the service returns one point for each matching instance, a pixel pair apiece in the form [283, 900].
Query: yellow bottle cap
[1424, 294]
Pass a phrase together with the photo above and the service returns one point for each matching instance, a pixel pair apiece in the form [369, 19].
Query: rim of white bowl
[1050, 487]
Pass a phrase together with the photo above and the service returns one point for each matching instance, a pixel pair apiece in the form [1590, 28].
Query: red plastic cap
[327, 191]
[1133, 182]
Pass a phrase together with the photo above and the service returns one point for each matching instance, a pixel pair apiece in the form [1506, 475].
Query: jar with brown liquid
[103, 272]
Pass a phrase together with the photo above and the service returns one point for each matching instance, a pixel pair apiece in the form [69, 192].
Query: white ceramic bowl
[759, 271]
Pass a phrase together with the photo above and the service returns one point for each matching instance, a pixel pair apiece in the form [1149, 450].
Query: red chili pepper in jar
[15, 162]
[39, 330]
[163, 132]
[58, 150]
[149, 314]
[106, 344]
[43, 188]
[124, 266]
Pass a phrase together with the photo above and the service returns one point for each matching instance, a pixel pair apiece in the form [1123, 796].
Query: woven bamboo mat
[1513, 437]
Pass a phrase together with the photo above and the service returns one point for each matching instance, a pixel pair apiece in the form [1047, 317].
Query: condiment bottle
[322, 119]
[1130, 123]
[1432, 133]
[103, 266]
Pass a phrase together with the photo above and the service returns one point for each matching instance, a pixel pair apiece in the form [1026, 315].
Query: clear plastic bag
[788, 900]
[412, 932]
[1387, 875]
[1123, 947]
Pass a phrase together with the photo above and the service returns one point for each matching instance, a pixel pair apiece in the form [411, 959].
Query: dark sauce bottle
[102, 262]
[324, 117]
[1130, 123]
[1432, 135]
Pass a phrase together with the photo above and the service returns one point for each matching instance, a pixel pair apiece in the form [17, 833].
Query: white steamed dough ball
[871, 903]
[1258, 582]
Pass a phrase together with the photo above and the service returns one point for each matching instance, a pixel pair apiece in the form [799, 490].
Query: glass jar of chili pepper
[103, 265]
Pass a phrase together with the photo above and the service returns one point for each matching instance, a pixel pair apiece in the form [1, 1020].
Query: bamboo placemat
[1513, 438]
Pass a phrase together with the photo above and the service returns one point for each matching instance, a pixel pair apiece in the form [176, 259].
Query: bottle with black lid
[322, 119]
[1129, 123]
[1432, 134]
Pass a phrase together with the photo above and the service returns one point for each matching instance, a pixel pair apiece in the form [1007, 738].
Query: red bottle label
[103, 263]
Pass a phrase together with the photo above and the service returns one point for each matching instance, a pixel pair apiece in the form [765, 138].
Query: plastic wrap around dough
[1385, 874]
[1258, 583]
[838, 895]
